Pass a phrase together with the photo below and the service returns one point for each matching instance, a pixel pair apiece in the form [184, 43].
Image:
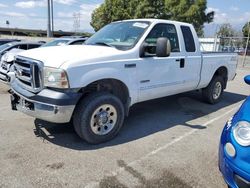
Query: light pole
[52, 17]
[49, 21]
[245, 53]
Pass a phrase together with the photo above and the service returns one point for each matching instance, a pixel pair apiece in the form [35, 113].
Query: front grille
[4, 65]
[3, 77]
[28, 73]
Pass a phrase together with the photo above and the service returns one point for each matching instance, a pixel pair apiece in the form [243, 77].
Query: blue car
[234, 150]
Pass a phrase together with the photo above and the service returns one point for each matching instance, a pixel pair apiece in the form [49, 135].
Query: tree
[226, 30]
[150, 9]
[109, 11]
[191, 11]
[245, 29]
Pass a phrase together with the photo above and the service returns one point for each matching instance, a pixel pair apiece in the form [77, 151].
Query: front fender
[78, 79]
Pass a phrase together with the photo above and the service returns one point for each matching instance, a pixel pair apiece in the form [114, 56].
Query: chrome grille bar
[28, 73]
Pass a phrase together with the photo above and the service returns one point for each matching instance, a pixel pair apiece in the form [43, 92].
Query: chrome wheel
[103, 119]
[217, 90]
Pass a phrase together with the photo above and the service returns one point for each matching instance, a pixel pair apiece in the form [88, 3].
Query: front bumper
[49, 105]
[234, 169]
[233, 176]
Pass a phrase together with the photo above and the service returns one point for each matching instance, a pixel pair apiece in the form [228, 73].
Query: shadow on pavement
[145, 119]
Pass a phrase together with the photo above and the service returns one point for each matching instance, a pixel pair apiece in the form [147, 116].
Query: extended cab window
[188, 39]
[163, 30]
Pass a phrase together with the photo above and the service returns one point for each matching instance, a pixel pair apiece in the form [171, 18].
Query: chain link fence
[228, 44]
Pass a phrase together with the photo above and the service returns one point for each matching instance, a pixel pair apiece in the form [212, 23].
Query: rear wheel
[98, 117]
[213, 92]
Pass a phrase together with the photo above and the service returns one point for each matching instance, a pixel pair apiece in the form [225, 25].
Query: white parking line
[120, 169]
[174, 141]
[189, 133]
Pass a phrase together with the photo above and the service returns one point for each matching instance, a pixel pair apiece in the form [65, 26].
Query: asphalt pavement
[168, 142]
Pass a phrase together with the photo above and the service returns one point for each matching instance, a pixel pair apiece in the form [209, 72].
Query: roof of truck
[153, 20]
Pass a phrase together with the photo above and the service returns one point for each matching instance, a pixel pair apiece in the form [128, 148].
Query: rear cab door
[192, 56]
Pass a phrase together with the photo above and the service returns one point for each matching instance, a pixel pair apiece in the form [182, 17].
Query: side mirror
[163, 47]
[247, 79]
[142, 50]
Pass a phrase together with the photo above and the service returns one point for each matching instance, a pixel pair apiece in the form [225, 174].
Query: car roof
[71, 40]
[154, 20]
[10, 40]
[74, 37]
[23, 42]
[78, 39]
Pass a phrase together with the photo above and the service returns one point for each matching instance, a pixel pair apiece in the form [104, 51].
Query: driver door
[159, 76]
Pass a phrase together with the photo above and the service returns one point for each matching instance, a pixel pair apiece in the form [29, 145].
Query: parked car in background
[228, 49]
[19, 45]
[234, 150]
[74, 37]
[239, 50]
[4, 41]
[9, 53]
[65, 41]
[7, 59]
[247, 51]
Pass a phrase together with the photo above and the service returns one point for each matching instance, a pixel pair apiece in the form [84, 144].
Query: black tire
[208, 92]
[85, 110]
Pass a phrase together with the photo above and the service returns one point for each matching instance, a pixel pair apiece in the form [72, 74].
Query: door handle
[182, 62]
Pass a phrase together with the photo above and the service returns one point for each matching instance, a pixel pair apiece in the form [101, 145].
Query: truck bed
[212, 60]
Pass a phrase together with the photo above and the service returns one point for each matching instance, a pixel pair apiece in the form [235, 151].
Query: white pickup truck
[126, 62]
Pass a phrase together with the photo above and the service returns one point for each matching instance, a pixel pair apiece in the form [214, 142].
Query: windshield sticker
[141, 25]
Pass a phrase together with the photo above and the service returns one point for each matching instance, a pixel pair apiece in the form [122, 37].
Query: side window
[79, 42]
[22, 46]
[188, 39]
[31, 46]
[163, 30]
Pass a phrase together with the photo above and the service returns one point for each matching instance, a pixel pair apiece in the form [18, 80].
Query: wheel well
[222, 71]
[116, 87]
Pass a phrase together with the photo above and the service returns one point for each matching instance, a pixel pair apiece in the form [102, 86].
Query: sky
[32, 14]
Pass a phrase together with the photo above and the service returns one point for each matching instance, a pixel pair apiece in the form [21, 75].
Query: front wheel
[98, 117]
[213, 92]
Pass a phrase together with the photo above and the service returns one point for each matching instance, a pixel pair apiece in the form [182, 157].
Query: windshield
[4, 46]
[121, 35]
[61, 42]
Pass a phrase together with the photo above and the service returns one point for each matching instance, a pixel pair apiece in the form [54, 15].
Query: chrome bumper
[43, 111]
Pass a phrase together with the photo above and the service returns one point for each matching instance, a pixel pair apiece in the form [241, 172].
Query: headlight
[54, 77]
[241, 132]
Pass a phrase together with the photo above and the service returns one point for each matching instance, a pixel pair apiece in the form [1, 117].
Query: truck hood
[56, 56]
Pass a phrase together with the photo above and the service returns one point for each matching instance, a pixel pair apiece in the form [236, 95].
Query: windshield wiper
[103, 44]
